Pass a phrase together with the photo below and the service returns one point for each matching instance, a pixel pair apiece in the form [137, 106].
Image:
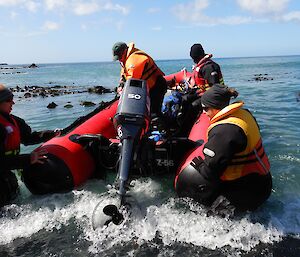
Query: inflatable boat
[119, 131]
[179, 77]
[69, 164]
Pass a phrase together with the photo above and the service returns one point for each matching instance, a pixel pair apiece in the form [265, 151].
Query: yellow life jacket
[251, 160]
[139, 65]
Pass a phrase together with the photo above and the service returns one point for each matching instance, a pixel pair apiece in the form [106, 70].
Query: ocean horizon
[176, 59]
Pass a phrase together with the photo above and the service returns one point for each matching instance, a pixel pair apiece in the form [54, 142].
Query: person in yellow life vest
[13, 132]
[234, 165]
[139, 65]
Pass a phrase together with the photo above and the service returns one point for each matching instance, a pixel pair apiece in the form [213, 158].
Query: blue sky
[81, 31]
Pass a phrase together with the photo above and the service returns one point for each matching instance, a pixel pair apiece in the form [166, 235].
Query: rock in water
[87, 103]
[51, 105]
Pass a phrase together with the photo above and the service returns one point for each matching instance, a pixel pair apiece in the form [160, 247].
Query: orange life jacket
[139, 65]
[13, 136]
[198, 80]
[251, 160]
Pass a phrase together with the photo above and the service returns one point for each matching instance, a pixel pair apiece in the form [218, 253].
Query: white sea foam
[179, 220]
[288, 158]
[46, 212]
[172, 220]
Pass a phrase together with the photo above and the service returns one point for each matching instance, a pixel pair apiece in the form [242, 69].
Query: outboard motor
[131, 121]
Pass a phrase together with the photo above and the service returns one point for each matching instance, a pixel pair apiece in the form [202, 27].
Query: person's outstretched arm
[29, 137]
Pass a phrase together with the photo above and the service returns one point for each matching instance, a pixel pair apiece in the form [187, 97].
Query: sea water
[60, 224]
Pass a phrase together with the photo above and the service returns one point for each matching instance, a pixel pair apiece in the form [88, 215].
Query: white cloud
[233, 20]
[78, 7]
[292, 16]
[50, 25]
[31, 6]
[190, 11]
[114, 7]
[10, 2]
[85, 8]
[263, 6]
[54, 4]
[193, 12]
[271, 9]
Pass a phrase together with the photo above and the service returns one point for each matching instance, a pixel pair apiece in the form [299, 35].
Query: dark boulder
[68, 106]
[261, 77]
[33, 65]
[27, 95]
[99, 90]
[43, 94]
[87, 103]
[51, 105]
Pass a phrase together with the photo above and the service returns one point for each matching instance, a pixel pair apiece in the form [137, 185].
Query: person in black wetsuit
[234, 164]
[13, 132]
[205, 73]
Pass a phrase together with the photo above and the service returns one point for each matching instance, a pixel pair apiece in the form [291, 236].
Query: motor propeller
[113, 211]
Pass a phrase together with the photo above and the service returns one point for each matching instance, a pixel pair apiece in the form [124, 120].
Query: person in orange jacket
[13, 132]
[139, 65]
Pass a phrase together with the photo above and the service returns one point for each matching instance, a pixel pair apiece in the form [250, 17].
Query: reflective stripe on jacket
[13, 136]
[251, 160]
[139, 65]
